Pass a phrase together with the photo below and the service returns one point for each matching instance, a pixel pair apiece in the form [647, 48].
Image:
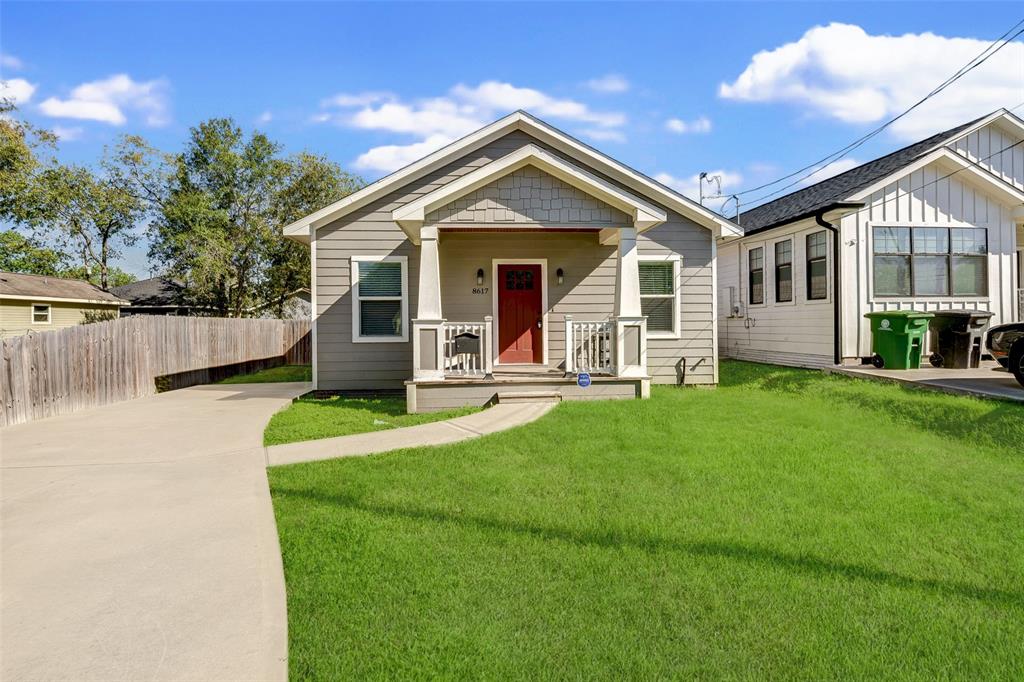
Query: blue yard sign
[582, 379]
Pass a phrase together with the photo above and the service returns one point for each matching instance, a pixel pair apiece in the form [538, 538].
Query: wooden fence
[51, 373]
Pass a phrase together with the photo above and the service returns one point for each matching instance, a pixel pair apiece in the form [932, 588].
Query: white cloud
[698, 125]
[107, 100]
[834, 168]
[68, 134]
[604, 134]
[18, 90]
[690, 185]
[436, 121]
[394, 156]
[264, 118]
[9, 61]
[360, 99]
[612, 82]
[843, 72]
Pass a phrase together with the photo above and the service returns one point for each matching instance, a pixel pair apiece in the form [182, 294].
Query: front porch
[526, 345]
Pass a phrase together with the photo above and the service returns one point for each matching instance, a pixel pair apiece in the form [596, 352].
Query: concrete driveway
[138, 541]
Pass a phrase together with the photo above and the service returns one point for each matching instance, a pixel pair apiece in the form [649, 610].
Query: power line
[983, 56]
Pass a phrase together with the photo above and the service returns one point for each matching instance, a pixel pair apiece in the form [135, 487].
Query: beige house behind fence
[43, 303]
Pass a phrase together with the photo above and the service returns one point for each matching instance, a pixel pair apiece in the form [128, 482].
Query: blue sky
[750, 91]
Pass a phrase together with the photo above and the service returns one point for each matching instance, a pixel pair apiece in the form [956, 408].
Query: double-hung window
[784, 271]
[930, 261]
[40, 314]
[755, 279]
[817, 266]
[380, 299]
[659, 295]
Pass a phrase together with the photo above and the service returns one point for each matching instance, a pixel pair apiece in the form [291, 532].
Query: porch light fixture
[561, 275]
[479, 275]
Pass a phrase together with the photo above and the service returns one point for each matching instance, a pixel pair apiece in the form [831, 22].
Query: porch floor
[987, 381]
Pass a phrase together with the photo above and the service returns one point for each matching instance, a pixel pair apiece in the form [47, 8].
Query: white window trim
[49, 312]
[828, 268]
[792, 271]
[677, 262]
[993, 281]
[357, 336]
[745, 272]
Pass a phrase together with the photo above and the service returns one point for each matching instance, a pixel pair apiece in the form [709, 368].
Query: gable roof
[48, 288]
[839, 188]
[645, 215]
[519, 120]
[156, 292]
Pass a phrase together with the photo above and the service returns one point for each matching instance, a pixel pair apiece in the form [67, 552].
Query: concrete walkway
[491, 420]
[986, 381]
[138, 541]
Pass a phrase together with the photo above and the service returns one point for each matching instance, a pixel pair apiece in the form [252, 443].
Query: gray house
[506, 264]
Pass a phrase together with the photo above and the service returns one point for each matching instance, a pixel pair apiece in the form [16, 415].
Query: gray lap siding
[588, 291]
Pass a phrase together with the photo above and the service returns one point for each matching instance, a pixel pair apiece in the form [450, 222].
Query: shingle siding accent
[529, 196]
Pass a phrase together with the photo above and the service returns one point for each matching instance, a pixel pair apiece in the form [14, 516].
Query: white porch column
[630, 324]
[428, 327]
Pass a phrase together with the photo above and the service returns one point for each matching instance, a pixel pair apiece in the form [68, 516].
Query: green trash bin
[897, 337]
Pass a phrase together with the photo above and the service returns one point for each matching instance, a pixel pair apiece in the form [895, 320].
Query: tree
[220, 205]
[24, 150]
[87, 213]
[116, 277]
[92, 216]
[19, 253]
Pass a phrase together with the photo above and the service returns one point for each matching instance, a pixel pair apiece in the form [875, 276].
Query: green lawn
[311, 418]
[273, 375]
[786, 525]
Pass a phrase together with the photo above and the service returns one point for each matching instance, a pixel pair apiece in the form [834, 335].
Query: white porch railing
[588, 346]
[467, 348]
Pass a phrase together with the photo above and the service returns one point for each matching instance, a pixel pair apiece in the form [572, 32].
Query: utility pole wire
[984, 55]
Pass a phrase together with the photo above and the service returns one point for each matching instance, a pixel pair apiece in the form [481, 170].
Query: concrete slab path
[986, 381]
[491, 420]
[138, 541]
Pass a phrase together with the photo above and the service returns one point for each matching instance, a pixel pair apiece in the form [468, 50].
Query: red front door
[520, 336]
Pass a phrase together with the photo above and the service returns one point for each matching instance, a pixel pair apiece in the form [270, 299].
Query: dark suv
[1006, 344]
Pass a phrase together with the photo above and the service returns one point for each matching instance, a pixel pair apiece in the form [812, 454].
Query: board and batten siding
[797, 333]
[926, 198]
[343, 365]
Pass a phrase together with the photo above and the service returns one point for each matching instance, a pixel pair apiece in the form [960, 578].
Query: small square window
[40, 314]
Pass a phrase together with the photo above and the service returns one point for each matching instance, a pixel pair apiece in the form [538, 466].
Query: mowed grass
[279, 374]
[785, 525]
[312, 418]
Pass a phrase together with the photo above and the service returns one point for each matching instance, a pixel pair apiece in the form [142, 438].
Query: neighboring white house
[507, 263]
[936, 225]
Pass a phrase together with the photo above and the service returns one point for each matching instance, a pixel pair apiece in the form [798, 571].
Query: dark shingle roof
[14, 284]
[807, 201]
[156, 291]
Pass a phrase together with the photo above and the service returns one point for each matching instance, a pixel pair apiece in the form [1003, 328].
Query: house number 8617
[481, 290]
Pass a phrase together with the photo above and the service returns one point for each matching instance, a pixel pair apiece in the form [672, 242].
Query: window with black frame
[930, 261]
[755, 259]
[817, 266]
[784, 271]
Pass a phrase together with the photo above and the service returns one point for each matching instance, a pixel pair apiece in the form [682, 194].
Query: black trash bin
[957, 338]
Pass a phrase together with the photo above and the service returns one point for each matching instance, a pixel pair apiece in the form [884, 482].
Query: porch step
[530, 397]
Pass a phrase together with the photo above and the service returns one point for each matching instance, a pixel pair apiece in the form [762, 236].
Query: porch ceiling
[644, 214]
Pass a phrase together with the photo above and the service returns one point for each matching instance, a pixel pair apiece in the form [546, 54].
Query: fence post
[570, 346]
